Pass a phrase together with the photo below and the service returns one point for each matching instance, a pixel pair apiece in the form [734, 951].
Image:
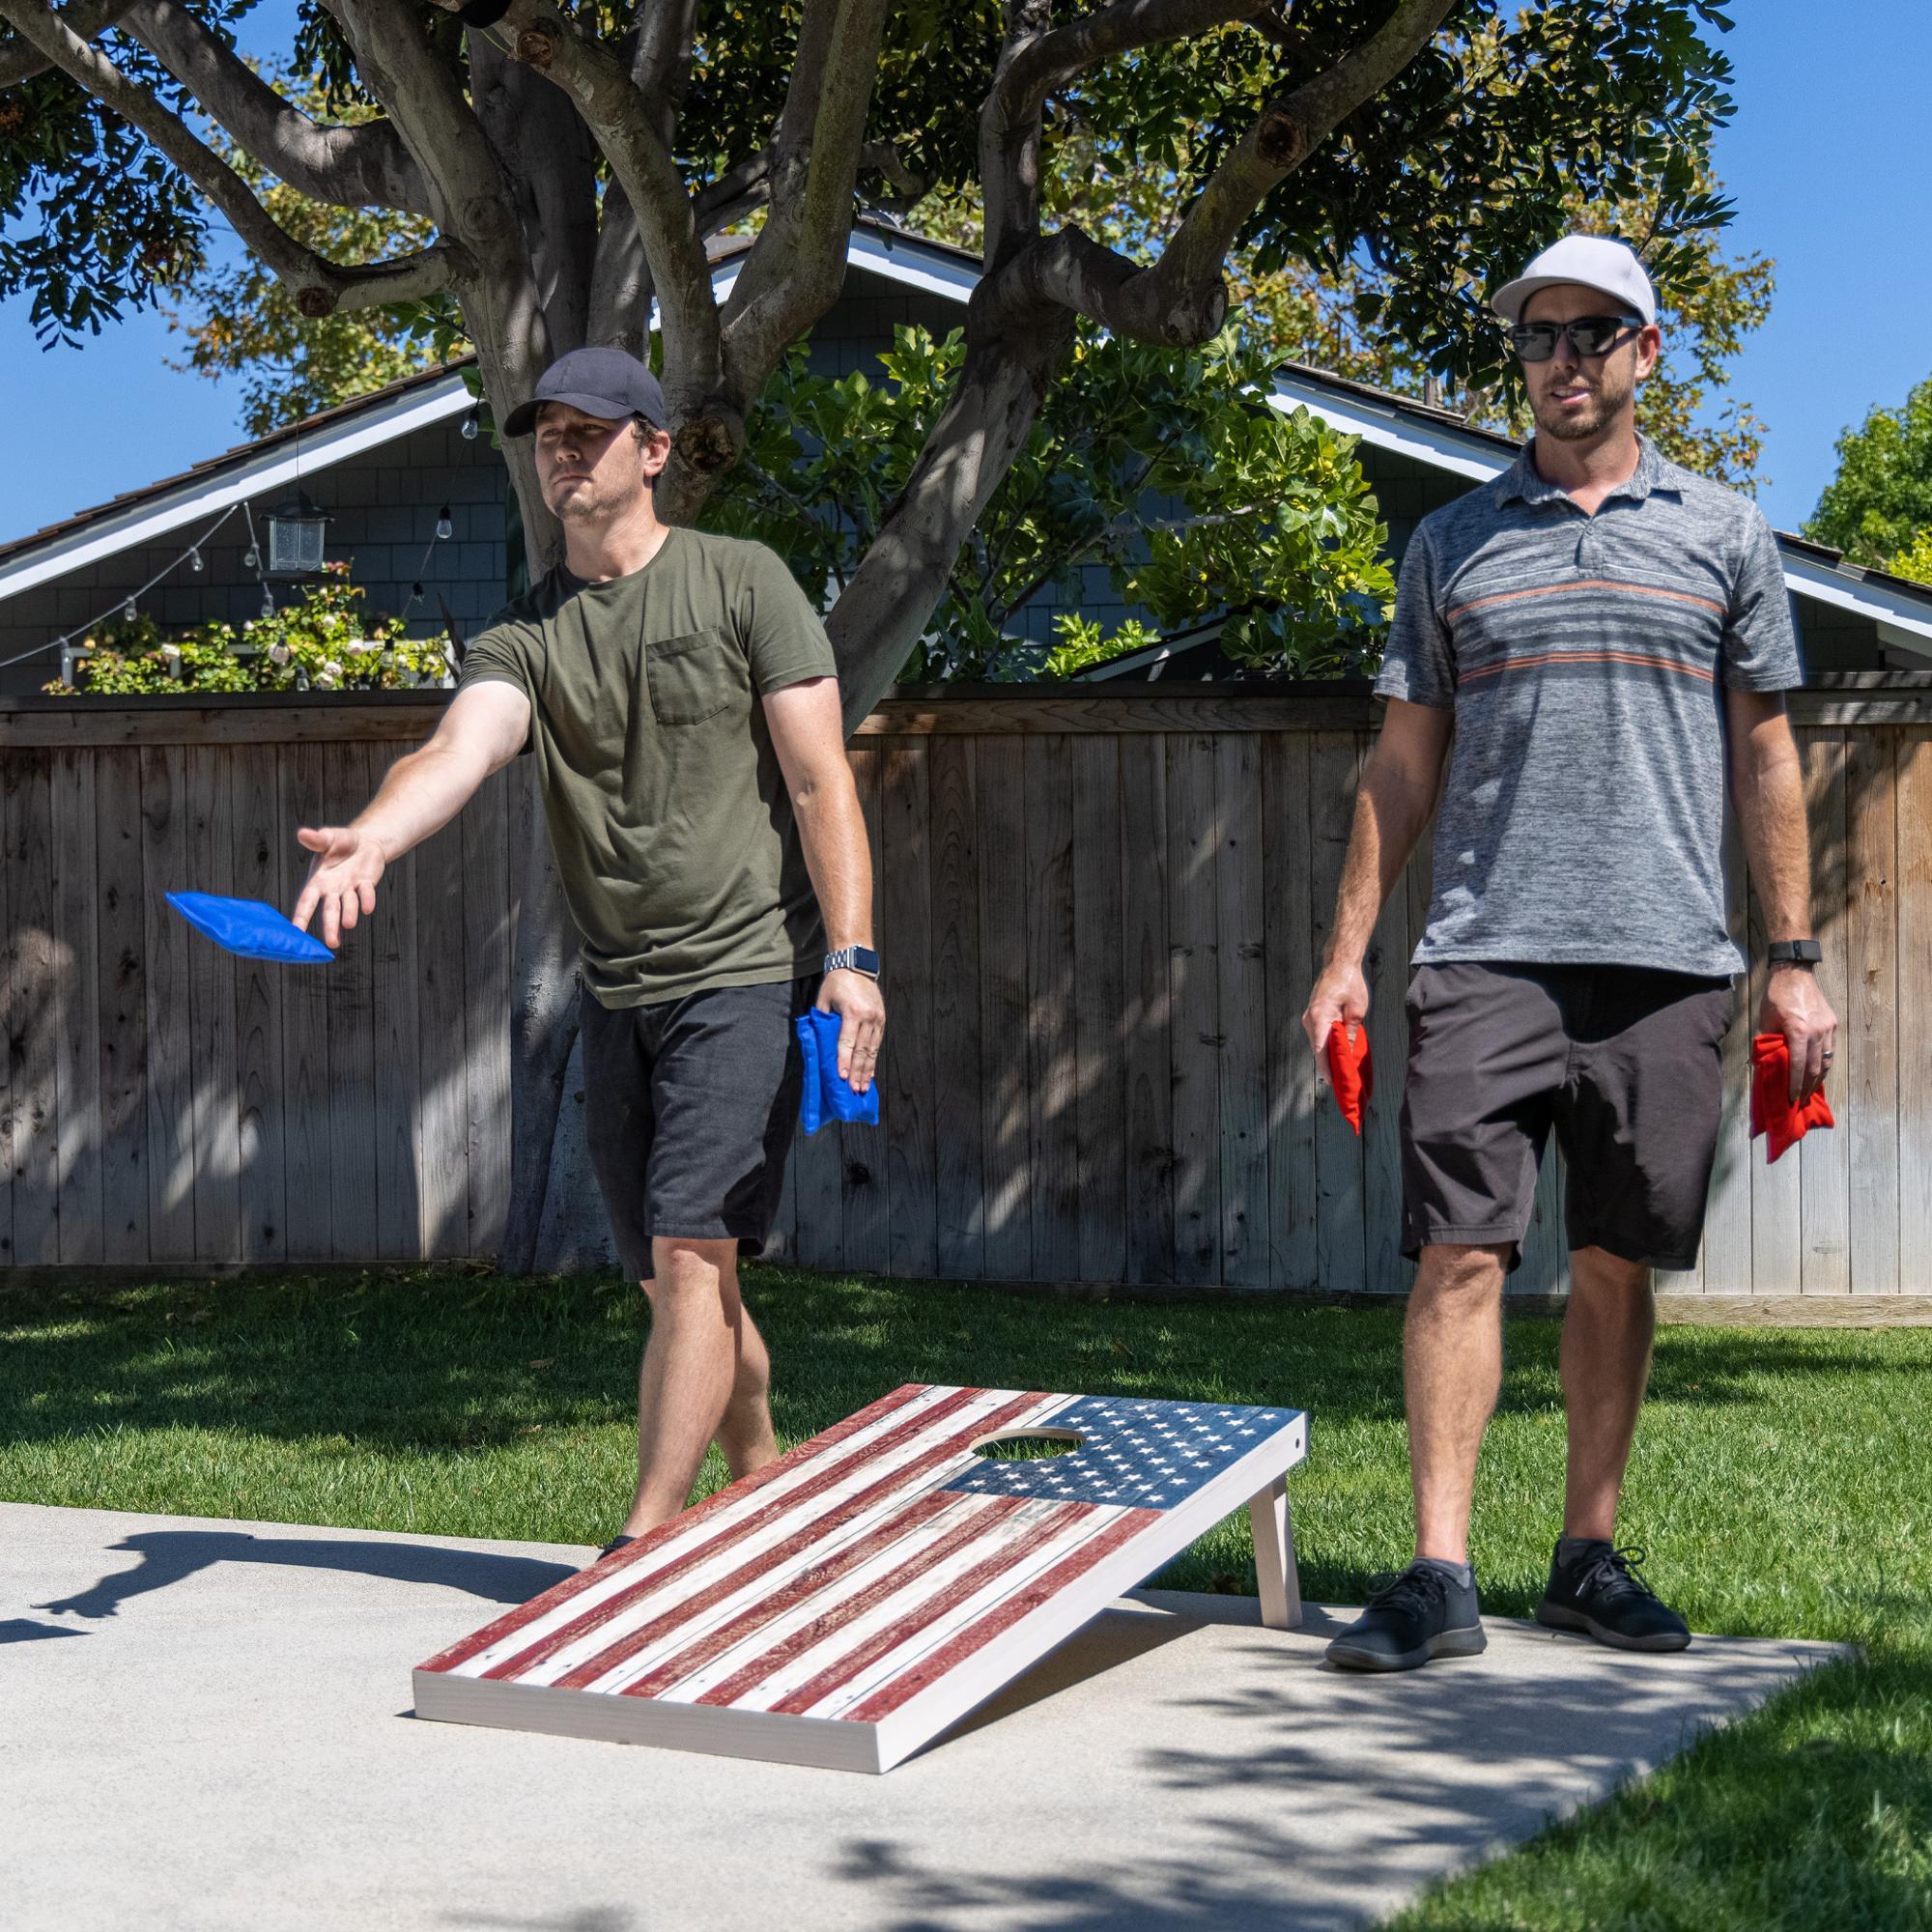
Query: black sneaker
[1595, 1588]
[1427, 1611]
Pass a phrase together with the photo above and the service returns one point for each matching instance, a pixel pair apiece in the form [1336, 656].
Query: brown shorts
[1623, 1063]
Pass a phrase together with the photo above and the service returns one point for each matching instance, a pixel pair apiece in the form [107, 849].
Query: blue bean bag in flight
[250, 928]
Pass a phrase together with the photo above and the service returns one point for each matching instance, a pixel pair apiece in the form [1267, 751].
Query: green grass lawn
[1782, 1484]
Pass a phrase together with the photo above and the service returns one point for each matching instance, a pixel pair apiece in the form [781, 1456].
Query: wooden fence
[1099, 913]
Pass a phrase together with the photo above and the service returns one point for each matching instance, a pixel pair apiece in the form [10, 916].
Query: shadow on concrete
[168, 1556]
[1436, 1773]
[25, 1629]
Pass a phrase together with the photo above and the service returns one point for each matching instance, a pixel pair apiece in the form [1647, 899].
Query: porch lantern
[296, 531]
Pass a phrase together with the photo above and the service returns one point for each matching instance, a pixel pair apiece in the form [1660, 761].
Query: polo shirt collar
[1521, 482]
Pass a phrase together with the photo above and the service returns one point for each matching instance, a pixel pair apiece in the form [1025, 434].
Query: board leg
[1274, 1557]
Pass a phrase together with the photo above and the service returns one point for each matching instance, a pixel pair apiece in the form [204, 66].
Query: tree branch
[1182, 298]
[353, 167]
[708, 433]
[1036, 62]
[797, 266]
[320, 287]
[21, 60]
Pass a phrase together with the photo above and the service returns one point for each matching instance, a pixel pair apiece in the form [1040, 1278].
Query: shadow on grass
[168, 1556]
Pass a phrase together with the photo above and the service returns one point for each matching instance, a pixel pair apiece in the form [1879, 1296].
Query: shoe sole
[1553, 1616]
[1446, 1643]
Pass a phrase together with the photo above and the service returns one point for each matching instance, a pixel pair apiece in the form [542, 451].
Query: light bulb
[416, 591]
[194, 562]
[251, 558]
[444, 528]
[268, 602]
[470, 427]
[130, 610]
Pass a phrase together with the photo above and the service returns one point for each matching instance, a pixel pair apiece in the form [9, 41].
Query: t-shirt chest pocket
[696, 677]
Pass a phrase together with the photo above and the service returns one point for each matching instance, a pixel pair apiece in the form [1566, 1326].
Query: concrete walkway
[207, 1726]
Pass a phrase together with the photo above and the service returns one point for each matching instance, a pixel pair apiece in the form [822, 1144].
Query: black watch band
[1794, 952]
[853, 959]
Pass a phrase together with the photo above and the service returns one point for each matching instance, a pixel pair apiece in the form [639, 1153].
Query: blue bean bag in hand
[247, 926]
[828, 1097]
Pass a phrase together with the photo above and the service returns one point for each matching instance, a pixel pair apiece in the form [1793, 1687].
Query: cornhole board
[849, 1602]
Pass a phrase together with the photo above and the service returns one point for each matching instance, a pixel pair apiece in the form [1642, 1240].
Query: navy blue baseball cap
[600, 382]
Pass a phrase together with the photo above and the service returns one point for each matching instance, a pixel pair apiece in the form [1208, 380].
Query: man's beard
[1606, 399]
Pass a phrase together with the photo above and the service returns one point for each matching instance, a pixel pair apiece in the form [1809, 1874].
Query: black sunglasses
[1589, 335]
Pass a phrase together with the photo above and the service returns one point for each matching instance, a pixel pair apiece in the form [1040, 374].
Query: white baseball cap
[1593, 260]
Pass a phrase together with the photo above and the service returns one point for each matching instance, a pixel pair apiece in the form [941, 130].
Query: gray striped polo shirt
[1585, 658]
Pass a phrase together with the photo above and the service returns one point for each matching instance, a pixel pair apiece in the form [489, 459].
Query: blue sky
[1823, 159]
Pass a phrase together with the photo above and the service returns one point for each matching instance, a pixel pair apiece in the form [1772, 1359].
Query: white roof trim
[1884, 605]
[1384, 428]
[196, 499]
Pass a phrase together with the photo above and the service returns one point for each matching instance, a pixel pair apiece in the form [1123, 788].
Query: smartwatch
[1804, 952]
[853, 959]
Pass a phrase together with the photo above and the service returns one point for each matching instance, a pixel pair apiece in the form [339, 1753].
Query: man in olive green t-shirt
[681, 700]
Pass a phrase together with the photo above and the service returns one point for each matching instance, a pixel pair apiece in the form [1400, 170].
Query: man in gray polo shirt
[1608, 636]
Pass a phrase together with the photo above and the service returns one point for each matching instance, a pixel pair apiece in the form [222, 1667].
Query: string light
[473, 424]
[130, 609]
[445, 529]
[194, 562]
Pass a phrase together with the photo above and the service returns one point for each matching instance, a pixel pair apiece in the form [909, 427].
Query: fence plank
[33, 1007]
[959, 1150]
[1241, 956]
[1099, 1035]
[1006, 1124]
[352, 1036]
[440, 1084]
[262, 1126]
[1824, 1172]
[77, 1045]
[1287, 861]
[1341, 1234]
[121, 1001]
[210, 985]
[1914, 781]
[1194, 1028]
[1052, 1071]
[906, 1070]
[393, 937]
[310, 1191]
[489, 950]
[1869, 1030]
[1147, 1014]
[1725, 1266]
[171, 1043]
[861, 1151]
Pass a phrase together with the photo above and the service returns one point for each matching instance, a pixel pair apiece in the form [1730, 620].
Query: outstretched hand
[341, 879]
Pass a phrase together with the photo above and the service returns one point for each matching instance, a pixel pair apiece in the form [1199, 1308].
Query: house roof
[1437, 438]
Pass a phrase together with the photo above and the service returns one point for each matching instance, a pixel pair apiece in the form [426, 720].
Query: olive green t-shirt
[666, 809]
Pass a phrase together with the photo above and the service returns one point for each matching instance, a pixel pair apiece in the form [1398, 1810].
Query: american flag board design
[846, 1604]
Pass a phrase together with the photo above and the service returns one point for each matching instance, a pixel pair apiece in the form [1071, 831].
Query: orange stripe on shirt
[1587, 657]
[1580, 584]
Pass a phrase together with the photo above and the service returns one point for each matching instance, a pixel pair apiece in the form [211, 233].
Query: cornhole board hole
[849, 1602]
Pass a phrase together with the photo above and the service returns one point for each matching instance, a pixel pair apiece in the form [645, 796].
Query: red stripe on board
[883, 1642]
[821, 1576]
[561, 1592]
[642, 1638]
[977, 1636]
[615, 1606]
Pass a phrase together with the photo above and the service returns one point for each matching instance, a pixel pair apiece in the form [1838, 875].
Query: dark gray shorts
[689, 1107]
[1623, 1063]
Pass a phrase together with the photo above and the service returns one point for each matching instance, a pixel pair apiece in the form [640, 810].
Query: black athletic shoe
[616, 1543]
[1596, 1588]
[1425, 1613]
